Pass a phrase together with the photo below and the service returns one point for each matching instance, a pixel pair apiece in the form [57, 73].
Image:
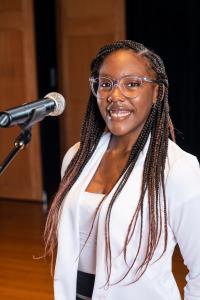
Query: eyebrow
[126, 75]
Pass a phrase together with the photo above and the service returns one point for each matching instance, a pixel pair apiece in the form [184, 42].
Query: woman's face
[123, 115]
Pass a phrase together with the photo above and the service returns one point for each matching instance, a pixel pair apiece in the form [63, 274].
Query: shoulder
[176, 154]
[181, 163]
[68, 157]
[104, 140]
[183, 175]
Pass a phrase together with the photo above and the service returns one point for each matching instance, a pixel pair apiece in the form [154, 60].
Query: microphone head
[59, 101]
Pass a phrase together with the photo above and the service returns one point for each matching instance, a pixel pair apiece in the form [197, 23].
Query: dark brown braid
[159, 126]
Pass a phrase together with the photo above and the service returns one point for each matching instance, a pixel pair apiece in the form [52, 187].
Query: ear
[155, 93]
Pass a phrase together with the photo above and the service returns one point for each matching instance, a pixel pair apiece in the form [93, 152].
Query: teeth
[119, 114]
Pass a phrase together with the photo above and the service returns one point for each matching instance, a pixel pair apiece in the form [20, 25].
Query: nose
[116, 94]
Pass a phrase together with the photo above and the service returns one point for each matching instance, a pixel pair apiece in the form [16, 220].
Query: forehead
[125, 62]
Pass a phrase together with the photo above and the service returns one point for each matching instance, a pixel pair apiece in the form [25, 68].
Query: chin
[122, 127]
[118, 131]
[126, 131]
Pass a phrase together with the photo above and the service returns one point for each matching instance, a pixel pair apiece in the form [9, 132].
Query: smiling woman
[133, 101]
[128, 193]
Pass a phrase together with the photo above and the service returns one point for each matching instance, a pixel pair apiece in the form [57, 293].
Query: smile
[118, 115]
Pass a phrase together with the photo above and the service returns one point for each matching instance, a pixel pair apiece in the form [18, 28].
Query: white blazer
[157, 283]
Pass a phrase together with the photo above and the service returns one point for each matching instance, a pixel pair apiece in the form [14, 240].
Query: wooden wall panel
[22, 179]
[83, 27]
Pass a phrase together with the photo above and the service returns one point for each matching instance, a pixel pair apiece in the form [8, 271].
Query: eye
[105, 84]
[132, 83]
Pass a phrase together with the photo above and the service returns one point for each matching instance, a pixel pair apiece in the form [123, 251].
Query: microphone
[53, 104]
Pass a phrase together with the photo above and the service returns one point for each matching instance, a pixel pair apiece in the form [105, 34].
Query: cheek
[102, 106]
[142, 108]
[143, 104]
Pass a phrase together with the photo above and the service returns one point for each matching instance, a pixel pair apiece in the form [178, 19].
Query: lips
[118, 113]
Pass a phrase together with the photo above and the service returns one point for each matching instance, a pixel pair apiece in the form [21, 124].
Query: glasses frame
[116, 83]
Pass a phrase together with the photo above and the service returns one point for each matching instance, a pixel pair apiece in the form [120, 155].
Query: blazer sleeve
[68, 157]
[184, 214]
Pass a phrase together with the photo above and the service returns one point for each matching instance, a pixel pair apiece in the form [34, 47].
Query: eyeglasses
[129, 86]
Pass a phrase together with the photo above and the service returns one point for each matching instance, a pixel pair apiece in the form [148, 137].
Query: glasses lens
[130, 86]
[101, 87]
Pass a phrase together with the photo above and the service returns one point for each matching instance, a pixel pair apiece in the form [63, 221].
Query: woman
[128, 193]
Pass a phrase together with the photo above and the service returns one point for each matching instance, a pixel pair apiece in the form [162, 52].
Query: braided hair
[159, 126]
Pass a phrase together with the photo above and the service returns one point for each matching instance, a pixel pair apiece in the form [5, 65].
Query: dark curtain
[45, 35]
[171, 30]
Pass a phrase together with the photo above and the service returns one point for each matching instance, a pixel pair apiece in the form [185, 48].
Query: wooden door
[22, 179]
[83, 27]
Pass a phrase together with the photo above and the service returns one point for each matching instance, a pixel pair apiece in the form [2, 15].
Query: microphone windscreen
[59, 101]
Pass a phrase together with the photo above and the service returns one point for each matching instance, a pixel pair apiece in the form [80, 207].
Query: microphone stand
[25, 136]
